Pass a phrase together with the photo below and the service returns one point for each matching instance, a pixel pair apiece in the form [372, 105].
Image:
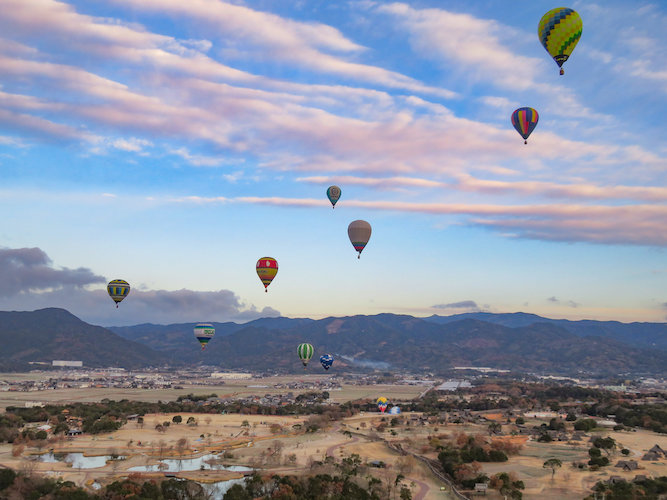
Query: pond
[218, 490]
[77, 460]
[188, 464]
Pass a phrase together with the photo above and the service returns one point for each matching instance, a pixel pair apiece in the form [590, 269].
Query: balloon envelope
[267, 268]
[394, 410]
[305, 352]
[118, 290]
[525, 121]
[203, 333]
[333, 193]
[326, 360]
[559, 31]
[359, 232]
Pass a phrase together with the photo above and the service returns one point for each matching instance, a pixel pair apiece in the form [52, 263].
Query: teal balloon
[333, 193]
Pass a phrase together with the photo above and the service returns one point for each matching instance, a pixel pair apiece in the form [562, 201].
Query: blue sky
[173, 143]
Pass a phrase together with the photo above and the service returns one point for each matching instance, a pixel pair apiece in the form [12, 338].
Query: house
[658, 450]
[481, 488]
[615, 479]
[639, 478]
[651, 456]
[627, 465]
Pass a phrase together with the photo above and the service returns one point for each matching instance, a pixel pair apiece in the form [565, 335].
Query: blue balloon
[327, 360]
[394, 410]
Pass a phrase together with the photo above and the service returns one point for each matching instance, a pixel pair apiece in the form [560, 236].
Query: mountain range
[49, 334]
[517, 341]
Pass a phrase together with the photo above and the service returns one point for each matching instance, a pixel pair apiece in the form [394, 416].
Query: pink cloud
[469, 41]
[632, 224]
[297, 42]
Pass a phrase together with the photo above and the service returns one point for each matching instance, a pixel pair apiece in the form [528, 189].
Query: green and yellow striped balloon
[305, 352]
[559, 31]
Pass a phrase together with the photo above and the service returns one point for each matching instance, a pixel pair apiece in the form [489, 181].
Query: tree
[607, 444]
[181, 445]
[553, 464]
[177, 419]
[507, 485]
[585, 424]
[237, 492]
[7, 477]
[494, 428]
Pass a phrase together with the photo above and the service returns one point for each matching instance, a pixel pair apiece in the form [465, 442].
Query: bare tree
[162, 447]
[181, 445]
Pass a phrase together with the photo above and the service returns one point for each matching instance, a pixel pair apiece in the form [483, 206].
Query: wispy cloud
[464, 304]
[468, 183]
[197, 160]
[632, 224]
[308, 45]
[568, 303]
[441, 35]
[132, 144]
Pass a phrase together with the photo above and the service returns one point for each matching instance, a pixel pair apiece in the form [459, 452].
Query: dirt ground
[571, 483]
[251, 445]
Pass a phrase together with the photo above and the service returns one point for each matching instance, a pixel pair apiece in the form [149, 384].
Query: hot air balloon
[267, 268]
[359, 232]
[333, 193]
[326, 360]
[118, 290]
[305, 352]
[382, 403]
[525, 121]
[559, 31]
[394, 410]
[203, 333]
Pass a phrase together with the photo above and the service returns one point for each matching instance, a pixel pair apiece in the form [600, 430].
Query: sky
[172, 144]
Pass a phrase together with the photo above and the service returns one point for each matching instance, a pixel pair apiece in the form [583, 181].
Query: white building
[231, 375]
[73, 364]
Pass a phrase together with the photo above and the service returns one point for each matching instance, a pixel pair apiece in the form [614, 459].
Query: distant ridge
[520, 342]
[434, 344]
[52, 333]
[652, 335]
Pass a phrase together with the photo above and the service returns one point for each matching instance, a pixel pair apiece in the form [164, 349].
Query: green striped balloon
[305, 352]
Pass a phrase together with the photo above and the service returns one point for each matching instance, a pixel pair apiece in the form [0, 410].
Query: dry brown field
[252, 445]
[230, 388]
[572, 483]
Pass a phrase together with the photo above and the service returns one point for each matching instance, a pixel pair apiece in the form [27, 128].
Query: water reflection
[188, 464]
[77, 460]
[217, 490]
